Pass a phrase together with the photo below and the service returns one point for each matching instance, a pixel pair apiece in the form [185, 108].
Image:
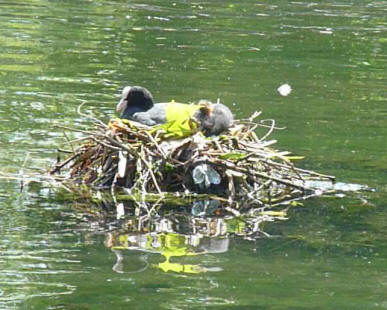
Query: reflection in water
[181, 234]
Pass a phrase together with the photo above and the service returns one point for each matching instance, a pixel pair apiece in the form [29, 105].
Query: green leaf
[233, 156]
[294, 157]
[177, 128]
[169, 167]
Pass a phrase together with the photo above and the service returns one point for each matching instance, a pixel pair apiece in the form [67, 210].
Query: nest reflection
[178, 234]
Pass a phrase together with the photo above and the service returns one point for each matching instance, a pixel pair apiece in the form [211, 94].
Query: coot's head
[135, 98]
[213, 119]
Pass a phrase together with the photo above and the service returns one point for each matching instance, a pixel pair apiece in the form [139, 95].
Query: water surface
[330, 253]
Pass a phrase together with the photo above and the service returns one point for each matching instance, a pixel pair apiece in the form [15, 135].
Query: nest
[165, 162]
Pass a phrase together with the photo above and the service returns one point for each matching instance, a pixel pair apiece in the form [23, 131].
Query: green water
[330, 254]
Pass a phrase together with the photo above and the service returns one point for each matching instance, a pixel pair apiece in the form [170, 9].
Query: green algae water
[331, 251]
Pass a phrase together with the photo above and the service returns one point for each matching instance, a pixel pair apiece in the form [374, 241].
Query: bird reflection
[176, 235]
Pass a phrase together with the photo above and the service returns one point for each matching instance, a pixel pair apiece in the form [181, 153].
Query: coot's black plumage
[134, 99]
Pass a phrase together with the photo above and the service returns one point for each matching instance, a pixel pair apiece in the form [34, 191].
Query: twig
[76, 130]
[259, 174]
[271, 128]
[102, 124]
[63, 163]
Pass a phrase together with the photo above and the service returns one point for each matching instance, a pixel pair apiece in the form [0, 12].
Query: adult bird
[137, 104]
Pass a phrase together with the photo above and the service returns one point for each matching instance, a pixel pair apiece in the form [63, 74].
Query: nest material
[240, 166]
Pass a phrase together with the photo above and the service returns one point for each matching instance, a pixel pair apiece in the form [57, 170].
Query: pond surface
[331, 253]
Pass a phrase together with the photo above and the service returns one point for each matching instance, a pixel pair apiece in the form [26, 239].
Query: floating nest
[172, 164]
